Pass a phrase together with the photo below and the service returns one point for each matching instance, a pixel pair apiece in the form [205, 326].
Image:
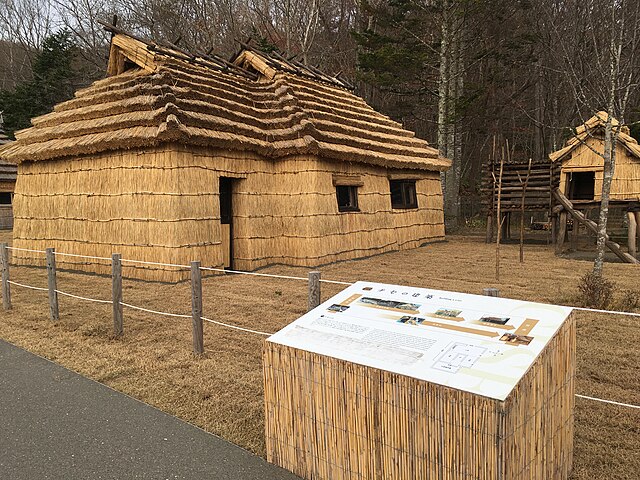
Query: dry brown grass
[222, 391]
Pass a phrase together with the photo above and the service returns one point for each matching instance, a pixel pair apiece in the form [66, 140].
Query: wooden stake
[524, 184]
[562, 232]
[314, 290]
[573, 236]
[4, 265]
[633, 227]
[116, 293]
[196, 308]
[54, 314]
[506, 220]
[489, 236]
[499, 218]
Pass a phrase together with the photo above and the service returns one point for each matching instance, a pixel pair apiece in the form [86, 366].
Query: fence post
[491, 292]
[196, 308]
[4, 266]
[52, 283]
[314, 290]
[116, 293]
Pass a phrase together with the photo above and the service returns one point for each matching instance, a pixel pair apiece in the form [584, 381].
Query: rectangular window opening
[403, 194]
[5, 198]
[347, 196]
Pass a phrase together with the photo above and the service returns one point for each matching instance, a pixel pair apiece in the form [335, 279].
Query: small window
[347, 196]
[403, 194]
[5, 198]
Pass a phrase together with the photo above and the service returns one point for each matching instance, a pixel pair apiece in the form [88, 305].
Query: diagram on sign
[457, 356]
[475, 343]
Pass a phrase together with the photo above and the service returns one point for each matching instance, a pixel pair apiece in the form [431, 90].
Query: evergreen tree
[51, 83]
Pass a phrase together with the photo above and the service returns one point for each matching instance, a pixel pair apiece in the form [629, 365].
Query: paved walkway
[56, 424]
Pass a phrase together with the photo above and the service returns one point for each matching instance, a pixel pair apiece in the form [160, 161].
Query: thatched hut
[581, 168]
[176, 157]
[8, 173]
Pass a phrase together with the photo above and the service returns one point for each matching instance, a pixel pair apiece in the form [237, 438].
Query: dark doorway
[581, 185]
[226, 220]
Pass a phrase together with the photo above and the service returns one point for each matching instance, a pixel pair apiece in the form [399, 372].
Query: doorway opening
[226, 220]
[581, 185]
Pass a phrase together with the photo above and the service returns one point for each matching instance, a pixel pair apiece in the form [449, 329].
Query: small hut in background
[567, 189]
[179, 156]
[581, 174]
[525, 189]
[8, 173]
[581, 168]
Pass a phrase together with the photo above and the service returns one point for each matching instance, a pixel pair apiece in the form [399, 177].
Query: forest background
[462, 74]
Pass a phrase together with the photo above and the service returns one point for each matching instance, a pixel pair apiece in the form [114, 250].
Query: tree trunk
[451, 82]
[609, 167]
[443, 92]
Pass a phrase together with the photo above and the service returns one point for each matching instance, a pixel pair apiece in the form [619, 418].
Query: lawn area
[221, 391]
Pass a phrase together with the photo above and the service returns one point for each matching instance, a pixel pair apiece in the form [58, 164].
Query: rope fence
[187, 267]
[313, 280]
[27, 286]
[156, 312]
[86, 299]
[236, 327]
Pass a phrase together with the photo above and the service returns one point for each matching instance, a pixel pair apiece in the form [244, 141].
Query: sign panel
[479, 344]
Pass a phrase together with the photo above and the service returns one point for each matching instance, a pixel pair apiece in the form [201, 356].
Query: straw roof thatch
[274, 107]
[595, 127]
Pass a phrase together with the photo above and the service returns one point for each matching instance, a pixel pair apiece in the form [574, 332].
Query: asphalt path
[56, 424]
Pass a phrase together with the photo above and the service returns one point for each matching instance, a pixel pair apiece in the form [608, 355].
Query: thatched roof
[595, 127]
[266, 104]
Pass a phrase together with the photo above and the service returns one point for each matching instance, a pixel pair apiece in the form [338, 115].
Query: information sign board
[482, 345]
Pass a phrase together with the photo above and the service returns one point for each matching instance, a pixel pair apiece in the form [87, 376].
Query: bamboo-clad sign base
[349, 418]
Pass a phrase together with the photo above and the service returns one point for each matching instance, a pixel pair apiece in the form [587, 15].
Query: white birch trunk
[443, 92]
[610, 139]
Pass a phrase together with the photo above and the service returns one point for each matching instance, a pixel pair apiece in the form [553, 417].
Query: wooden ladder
[591, 225]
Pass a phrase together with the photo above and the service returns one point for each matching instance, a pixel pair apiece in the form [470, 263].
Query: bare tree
[24, 24]
[599, 52]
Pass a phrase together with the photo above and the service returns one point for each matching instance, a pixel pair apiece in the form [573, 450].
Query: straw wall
[626, 180]
[161, 204]
[297, 221]
[330, 419]
[137, 203]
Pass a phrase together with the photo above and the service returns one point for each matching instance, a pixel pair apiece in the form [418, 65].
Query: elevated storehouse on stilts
[581, 167]
[581, 164]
